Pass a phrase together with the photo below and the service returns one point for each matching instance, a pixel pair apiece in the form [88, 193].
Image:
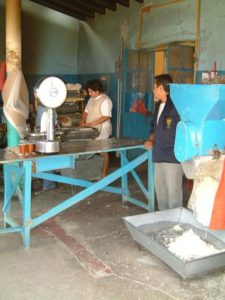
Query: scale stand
[52, 93]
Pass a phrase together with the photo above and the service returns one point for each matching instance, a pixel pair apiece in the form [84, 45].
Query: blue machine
[202, 111]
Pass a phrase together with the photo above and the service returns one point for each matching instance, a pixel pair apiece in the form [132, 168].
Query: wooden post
[13, 53]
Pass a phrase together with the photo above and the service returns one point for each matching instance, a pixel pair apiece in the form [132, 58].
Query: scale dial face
[52, 92]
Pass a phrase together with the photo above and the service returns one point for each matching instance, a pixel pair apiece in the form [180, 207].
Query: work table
[19, 171]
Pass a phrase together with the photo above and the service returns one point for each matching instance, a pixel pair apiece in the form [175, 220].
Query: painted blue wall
[49, 41]
[49, 44]
[99, 39]
[170, 23]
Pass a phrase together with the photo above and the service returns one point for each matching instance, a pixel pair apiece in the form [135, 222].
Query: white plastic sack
[15, 97]
[202, 199]
[206, 181]
[190, 167]
[74, 87]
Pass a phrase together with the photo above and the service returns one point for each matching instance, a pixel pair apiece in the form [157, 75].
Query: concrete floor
[87, 253]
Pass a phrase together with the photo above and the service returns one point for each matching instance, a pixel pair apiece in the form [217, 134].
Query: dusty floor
[87, 253]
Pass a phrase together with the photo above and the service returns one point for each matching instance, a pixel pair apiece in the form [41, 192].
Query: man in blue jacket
[168, 171]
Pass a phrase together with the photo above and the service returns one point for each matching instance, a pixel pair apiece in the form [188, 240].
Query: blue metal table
[19, 171]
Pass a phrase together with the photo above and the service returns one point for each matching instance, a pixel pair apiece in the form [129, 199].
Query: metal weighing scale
[51, 92]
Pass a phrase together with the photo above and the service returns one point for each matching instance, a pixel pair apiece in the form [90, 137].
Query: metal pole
[51, 125]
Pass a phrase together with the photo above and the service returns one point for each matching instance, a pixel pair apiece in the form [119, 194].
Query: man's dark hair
[164, 80]
[95, 85]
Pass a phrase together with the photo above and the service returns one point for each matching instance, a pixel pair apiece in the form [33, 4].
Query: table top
[79, 147]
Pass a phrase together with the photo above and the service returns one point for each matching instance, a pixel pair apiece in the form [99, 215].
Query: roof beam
[105, 3]
[87, 4]
[70, 5]
[60, 9]
[81, 9]
[124, 2]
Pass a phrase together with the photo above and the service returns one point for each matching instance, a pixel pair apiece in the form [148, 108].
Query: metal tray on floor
[142, 228]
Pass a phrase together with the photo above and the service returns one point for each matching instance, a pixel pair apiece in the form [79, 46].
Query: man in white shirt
[97, 114]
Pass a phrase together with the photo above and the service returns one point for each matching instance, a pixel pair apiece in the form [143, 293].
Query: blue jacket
[164, 132]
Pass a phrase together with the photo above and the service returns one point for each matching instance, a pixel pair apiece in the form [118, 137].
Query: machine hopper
[202, 126]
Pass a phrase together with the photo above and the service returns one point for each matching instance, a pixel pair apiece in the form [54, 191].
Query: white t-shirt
[106, 111]
[161, 107]
[106, 106]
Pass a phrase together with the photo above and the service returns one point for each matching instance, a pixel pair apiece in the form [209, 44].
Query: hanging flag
[2, 74]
